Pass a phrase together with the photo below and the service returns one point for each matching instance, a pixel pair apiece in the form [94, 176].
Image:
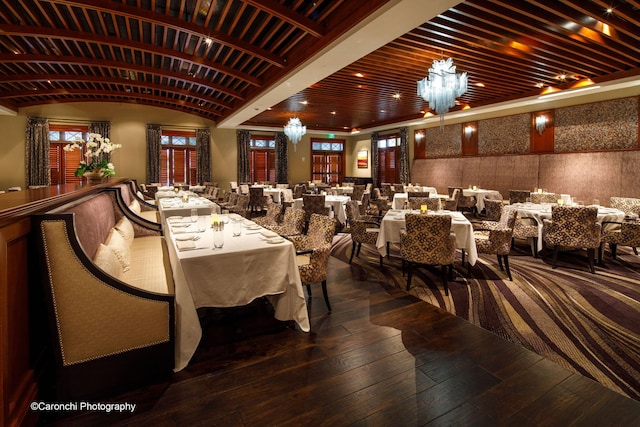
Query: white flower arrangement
[95, 146]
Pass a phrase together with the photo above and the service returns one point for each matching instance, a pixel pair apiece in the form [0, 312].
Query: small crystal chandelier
[294, 131]
[441, 88]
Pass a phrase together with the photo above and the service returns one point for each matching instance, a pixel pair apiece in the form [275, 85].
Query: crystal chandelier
[441, 88]
[294, 131]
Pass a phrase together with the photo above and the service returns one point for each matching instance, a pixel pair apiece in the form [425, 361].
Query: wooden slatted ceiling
[211, 57]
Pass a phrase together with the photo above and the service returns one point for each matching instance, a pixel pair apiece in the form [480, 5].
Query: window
[262, 159]
[63, 163]
[388, 153]
[327, 160]
[178, 158]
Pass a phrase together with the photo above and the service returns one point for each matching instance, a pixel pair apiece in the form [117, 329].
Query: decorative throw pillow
[106, 259]
[135, 206]
[119, 246]
[125, 228]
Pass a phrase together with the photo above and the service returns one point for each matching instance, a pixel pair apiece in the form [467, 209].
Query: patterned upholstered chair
[314, 203]
[287, 197]
[497, 239]
[364, 229]
[381, 203]
[433, 203]
[628, 205]
[428, 240]
[451, 203]
[387, 191]
[242, 206]
[573, 227]
[292, 223]
[627, 235]
[412, 194]
[526, 228]
[243, 189]
[272, 217]
[398, 188]
[363, 205]
[313, 252]
[298, 191]
[492, 209]
[232, 200]
[464, 202]
[257, 201]
[519, 196]
[544, 197]
[358, 192]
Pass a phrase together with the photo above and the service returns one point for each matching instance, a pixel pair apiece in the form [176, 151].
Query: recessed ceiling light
[480, 84]
[359, 75]
[304, 102]
[396, 95]
[333, 112]
[208, 41]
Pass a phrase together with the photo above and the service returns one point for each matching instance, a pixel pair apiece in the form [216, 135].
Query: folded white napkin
[185, 244]
[268, 234]
[175, 219]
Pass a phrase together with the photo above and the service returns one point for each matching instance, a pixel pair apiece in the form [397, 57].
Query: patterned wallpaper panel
[504, 135]
[444, 143]
[606, 125]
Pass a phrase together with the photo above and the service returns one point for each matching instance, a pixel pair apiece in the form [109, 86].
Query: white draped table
[245, 268]
[337, 203]
[480, 195]
[175, 206]
[399, 199]
[394, 221]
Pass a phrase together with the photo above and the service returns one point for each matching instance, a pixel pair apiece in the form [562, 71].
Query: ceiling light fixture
[441, 88]
[541, 123]
[294, 131]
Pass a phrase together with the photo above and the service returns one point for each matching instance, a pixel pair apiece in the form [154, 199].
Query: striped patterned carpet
[587, 323]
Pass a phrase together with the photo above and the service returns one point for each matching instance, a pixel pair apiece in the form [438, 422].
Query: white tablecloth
[431, 190]
[337, 203]
[399, 199]
[543, 211]
[393, 222]
[245, 268]
[174, 206]
[275, 193]
[480, 194]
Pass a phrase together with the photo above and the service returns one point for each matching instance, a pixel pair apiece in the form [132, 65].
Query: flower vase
[94, 176]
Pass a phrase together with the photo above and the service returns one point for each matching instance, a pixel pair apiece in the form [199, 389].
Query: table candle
[539, 190]
[560, 202]
[423, 208]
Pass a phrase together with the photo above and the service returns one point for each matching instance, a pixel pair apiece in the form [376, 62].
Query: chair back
[293, 221]
[234, 185]
[573, 226]
[352, 211]
[433, 203]
[428, 240]
[412, 194]
[256, 196]
[519, 196]
[298, 191]
[287, 195]
[544, 197]
[314, 204]
[320, 231]
[366, 198]
[386, 190]
[627, 205]
[398, 188]
[358, 191]
[493, 209]
[233, 199]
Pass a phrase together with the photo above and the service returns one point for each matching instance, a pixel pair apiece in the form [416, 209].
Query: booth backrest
[94, 218]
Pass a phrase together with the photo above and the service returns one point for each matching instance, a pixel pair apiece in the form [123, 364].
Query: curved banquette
[109, 293]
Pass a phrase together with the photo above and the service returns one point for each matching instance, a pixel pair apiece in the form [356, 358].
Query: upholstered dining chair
[526, 228]
[257, 200]
[298, 191]
[272, 217]
[231, 200]
[427, 240]
[496, 240]
[432, 203]
[398, 188]
[287, 197]
[464, 202]
[492, 210]
[292, 223]
[364, 229]
[242, 206]
[628, 234]
[519, 196]
[572, 227]
[358, 192]
[451, 203]
[314, 203]
[412, 194]
[313, 251]
[544, 197]
[628, 205]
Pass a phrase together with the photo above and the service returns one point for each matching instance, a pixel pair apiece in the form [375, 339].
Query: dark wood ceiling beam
[85, 62]
[111, 81]
[23, 31]
[284, 13]
[527, 25]
[102, 6]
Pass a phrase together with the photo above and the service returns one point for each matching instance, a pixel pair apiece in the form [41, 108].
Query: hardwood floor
[381, 358]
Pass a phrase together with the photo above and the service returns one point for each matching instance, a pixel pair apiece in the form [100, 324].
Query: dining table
[337, 204]
[541, 211]
[399, 199]
[177, 206]
[423, 188]
[257, 263]
[480, 194]
[394, 221]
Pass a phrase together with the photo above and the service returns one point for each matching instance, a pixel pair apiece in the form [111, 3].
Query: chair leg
[614, 250]
[353, 251]
[534, 247]
[409, 275]
[359, 247]
[500, 262]
[635, 251]
[444, 280]
[462, 256]
[506, 266]
[601, 254]
[309, 291]
[380, 261]
[591, 254]
[326, 297]
[555, 256]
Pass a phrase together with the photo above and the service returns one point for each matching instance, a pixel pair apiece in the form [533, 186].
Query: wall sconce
[468, 131]
[541, 123]
[419, 136]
